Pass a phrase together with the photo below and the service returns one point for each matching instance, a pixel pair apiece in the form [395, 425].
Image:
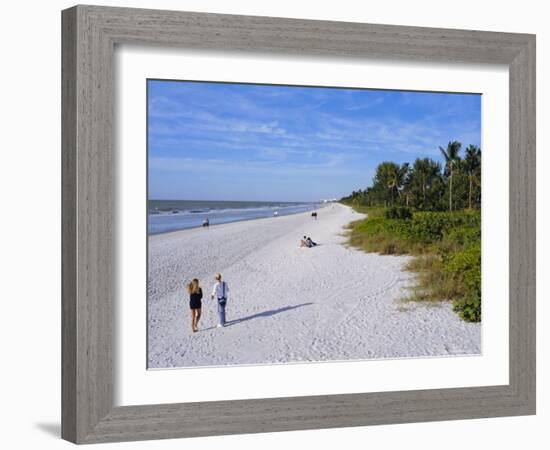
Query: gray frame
[89, 36]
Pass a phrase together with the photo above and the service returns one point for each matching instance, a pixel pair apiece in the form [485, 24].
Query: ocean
[171, 215]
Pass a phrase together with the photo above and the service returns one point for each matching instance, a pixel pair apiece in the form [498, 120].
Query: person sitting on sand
[195, 296]
[307, 242]
[219, 291]
[303, 243]
[310, 242]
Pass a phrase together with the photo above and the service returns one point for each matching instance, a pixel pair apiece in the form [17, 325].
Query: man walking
[220, 293]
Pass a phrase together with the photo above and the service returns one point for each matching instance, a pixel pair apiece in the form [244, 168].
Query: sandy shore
[288, 303]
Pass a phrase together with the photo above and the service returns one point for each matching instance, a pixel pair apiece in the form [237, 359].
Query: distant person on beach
[314, 215]
[310, 242]
[276, 213]
[195, 297]
[219, 292]
[206, 222]
[307, 242]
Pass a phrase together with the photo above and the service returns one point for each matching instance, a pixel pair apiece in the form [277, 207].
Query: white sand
[288, 303]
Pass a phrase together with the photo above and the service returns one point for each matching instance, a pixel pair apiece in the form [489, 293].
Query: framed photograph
[267, 222]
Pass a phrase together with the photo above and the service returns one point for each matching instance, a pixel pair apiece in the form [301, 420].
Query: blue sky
[214, 141]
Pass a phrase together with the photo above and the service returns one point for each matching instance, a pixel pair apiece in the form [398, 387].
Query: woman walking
[195, 297]
[220, 293]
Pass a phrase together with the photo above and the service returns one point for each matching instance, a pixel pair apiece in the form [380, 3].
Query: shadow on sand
[269, 313]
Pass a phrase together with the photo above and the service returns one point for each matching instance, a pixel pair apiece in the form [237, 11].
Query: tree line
[427, 184]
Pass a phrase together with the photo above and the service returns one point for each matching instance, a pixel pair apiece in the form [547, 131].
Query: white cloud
[327, 165]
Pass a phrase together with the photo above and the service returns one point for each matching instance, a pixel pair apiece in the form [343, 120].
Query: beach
[291, 304]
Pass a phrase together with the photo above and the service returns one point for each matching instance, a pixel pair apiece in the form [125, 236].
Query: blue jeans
[221, 311]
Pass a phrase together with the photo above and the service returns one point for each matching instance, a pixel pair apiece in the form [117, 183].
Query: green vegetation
[426, 185]
[398, 212]
[432, 213]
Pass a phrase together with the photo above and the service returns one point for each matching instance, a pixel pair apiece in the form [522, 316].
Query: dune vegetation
[430, 211]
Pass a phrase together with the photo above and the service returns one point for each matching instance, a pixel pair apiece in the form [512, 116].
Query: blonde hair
[193, 287]
[218, 276]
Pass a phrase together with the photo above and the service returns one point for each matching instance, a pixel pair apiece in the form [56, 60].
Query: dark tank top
[197, 296]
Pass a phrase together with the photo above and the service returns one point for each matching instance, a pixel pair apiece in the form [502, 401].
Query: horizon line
[244, 201]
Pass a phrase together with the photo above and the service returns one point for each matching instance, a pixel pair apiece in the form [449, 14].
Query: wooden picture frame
[90, 34]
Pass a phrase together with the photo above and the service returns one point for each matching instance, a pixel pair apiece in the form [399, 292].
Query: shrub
[399, 212]
[465, 268]
[463, 236]
[468, 308]
[431, 227]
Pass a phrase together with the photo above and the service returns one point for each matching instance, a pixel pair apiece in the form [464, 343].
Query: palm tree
[472, 162]
[408, 186]
[404, 172]
[385, 179]
[396, 178]
[423, 174]
[452, 161]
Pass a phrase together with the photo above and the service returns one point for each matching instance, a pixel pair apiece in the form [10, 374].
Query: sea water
[172, 215]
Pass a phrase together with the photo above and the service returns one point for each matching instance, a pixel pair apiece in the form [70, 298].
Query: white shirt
[218, 290]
